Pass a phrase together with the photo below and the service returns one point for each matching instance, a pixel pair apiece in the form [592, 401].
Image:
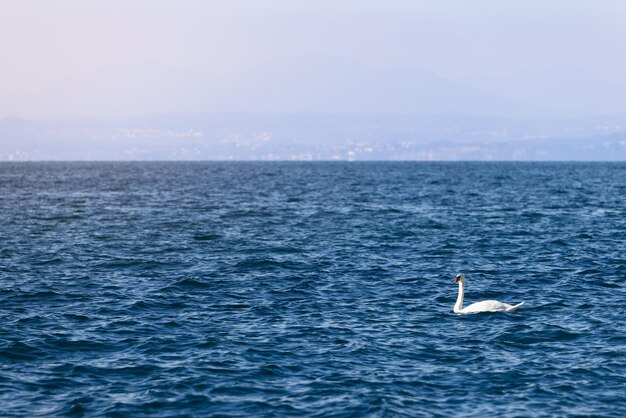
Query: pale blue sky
[72, 58]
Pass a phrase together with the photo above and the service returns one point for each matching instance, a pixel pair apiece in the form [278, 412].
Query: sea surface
[321, 289]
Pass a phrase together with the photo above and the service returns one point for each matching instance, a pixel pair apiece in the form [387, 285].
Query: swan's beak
[456, 280]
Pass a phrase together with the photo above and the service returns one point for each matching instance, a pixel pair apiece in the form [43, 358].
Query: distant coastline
[314, 137]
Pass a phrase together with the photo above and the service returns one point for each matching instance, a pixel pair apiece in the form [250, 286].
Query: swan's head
[459, 278]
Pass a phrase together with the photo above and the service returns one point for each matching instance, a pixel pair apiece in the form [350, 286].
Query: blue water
[311, 289]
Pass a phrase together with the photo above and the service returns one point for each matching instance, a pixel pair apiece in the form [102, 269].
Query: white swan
[484, 306]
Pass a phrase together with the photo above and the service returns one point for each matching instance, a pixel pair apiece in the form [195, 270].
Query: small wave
[20, 351]
[77, 317]
[206, 237]
[268, 264]
[549, 335]
[58, 218]
[191, 283]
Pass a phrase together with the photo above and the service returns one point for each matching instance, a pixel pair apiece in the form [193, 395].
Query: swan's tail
[514, 307]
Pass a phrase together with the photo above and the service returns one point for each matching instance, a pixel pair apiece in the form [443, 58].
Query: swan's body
[484, 306]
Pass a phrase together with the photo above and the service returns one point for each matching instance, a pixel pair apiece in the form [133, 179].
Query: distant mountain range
[320, 86]
[240, 136]
[329, 85]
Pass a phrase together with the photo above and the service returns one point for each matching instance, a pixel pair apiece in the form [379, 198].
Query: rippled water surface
[311, 289]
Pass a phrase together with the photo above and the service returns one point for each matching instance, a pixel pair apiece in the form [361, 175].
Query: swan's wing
[485, 306]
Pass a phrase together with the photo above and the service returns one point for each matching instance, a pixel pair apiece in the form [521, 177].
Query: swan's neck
[459, 300]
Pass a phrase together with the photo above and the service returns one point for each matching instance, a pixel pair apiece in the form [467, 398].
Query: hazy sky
[75, 58]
